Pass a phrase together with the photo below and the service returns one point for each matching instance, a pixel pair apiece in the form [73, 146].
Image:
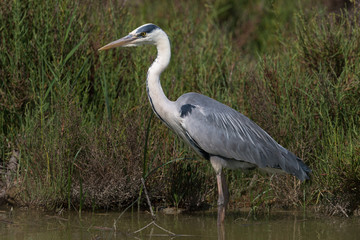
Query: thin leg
[223, 200]
[223, 196]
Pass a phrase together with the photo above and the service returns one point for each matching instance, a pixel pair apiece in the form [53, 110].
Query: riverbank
[85, 134]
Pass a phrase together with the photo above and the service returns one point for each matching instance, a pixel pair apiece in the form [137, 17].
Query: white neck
[161, 105]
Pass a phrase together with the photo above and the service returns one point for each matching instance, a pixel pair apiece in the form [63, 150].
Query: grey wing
[221, 131]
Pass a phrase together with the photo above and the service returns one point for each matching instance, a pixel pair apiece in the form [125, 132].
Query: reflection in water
[23, 224]
[221, 231]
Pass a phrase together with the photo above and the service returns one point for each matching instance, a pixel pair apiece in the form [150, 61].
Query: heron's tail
[305, 170]
[294, 165]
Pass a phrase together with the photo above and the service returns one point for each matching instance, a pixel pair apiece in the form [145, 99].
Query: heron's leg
[223, 196]
[223, 199]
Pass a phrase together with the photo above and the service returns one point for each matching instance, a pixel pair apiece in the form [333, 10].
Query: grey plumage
[215, 131]
[221, 131]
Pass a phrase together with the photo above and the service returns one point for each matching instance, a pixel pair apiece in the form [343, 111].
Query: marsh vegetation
[84, 134]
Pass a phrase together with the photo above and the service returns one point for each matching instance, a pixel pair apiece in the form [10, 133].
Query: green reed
[80, 118]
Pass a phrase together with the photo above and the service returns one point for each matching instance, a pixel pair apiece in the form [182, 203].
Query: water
[26, 224]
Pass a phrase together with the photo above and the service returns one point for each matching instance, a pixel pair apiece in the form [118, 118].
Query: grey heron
[218, 133]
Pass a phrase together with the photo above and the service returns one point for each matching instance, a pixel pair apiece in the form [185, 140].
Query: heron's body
[215, 131]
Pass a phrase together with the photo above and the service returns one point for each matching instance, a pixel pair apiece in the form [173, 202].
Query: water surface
[30, 224]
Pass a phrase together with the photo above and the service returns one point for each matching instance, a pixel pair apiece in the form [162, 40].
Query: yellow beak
[120, 42]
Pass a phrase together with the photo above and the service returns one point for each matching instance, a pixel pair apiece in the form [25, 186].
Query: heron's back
[218, 130]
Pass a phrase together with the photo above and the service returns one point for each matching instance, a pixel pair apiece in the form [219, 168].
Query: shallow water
[25, 224]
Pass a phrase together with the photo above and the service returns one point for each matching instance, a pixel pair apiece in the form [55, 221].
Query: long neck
[161, 105]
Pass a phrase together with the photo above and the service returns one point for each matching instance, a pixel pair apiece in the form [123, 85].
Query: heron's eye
[143, 34]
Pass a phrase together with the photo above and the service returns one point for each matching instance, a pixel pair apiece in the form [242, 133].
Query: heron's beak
[118, 43]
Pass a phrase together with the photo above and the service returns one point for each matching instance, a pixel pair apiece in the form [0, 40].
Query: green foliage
[81, 120]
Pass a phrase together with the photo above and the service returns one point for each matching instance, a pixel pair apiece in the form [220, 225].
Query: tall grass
[82, 122]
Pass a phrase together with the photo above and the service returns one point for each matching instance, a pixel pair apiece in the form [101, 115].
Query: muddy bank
[9, 186]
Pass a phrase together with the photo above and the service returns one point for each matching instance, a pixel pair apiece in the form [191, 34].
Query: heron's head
[145, 34]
